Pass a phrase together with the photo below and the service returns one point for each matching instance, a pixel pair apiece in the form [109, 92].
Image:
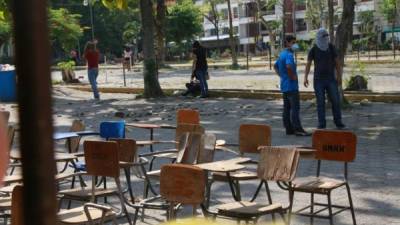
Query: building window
[213, 32]
[301, 25]
[224, 13]
[235, 12]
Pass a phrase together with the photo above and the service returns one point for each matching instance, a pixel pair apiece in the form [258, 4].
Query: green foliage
[388, 9]
[366, 18]
[66, 65]
[115, 4]
[131, 31]
[64, 28]
[184, 21]
[315, 8]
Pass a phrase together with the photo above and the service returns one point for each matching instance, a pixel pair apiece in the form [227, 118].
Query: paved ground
[374, 176]
[382, 78]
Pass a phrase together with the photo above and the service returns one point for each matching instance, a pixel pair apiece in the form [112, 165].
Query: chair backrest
[251, 136]
[181, 183]
[189, 154]
[112, 129]
[5, 115]
[278, 163]
[101, 158]
[17, 214]
[190, 116]
[184, 128]
[73, 144]
[206, 153]
[127, 149]
[335, 145]
[11, 135]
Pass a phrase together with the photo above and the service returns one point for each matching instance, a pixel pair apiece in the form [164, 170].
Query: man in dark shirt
[325, 60]
[200, 67]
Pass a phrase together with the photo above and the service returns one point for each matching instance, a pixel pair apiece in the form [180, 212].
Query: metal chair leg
[312, 209]
[208, 193]
[128, 181]
[291, 196]
[330, 208]
[237, 187]
[351, 204]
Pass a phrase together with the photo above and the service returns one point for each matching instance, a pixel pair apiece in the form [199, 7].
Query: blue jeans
[331, 88]
[201, 76]
[92, 74]
[291, 111]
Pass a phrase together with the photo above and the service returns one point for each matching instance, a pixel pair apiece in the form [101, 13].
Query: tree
[152, 86]
[5, 23]
[331, 20]
[212, 14]
[315, 10]
[183, 22]
[389, 9]
[232, 41]
[64, 28]
[344, 34]
[271, 26]
[160, 23]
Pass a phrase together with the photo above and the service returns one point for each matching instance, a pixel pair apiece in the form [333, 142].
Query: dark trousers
[331, 88]
[291, 111]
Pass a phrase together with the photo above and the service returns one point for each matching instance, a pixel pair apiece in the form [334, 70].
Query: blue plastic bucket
[8, 86]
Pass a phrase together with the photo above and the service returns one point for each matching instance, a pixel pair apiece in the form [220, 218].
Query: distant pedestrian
[92, 56]
[200, 67]
[286, 68]
[326, 62]
[127, 58]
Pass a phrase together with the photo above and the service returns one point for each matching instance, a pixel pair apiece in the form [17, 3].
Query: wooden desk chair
[180, 184]
[188, 116]
[339, 146]
[193, 148]
[172, 153]
[102, 160]
[276, 164]
[251, 136]
[128, 159]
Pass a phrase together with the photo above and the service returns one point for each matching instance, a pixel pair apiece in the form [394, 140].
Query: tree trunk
[160, 31]
[150, 71]
[231, 38]
[344, 35]
[331, 20]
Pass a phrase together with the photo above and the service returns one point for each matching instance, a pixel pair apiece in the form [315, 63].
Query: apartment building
[249, 31]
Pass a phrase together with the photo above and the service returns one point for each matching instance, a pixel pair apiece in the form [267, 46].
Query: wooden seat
[79, 216]
[84, 194]
[330, 145]
[320, 185]
[276, 164]
[245, 209]
[5, 116]
[251, 136]
[102, 160]
[239, 176]
[86, 214]
[72, 144]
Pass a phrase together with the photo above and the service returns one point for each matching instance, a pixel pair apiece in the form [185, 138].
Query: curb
[254, 94]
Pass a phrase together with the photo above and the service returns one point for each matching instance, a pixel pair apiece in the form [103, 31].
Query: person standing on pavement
[286, 68]
[200, 67]
[92, 56]
[326, 62]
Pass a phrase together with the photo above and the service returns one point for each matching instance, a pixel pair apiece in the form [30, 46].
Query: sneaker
[302, 133]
